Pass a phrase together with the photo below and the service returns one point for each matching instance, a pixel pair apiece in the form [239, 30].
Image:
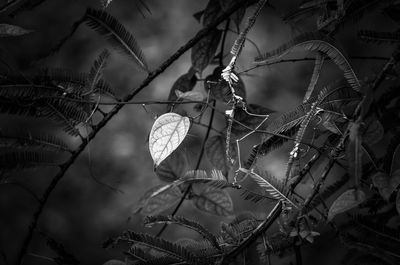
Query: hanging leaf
[220, 88]
[381, 181]
[213, 201]
[374, 131]
[173, 167]
[216, 154]
[184, 83]
[7, 30]
[398, 201]
[395, 161]
[348, 200]
[117, 34]
[395, 179]
[238, 16]
[190, 95]
[204, 51]
[211, 12]
[150, 204]
[166, 135]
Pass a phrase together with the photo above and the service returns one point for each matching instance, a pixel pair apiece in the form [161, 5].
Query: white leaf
[12, 30]
[348, 200]
[166, 135]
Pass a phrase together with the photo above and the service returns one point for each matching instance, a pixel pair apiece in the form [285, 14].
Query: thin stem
[379, 58]
[152, 75]
[221, 55]
[197, 167]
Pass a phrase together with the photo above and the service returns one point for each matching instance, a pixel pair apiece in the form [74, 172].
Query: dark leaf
[173, 167]
[348, 200]
[7, 30]
[213, 201]
[216, 153]
[204, 51]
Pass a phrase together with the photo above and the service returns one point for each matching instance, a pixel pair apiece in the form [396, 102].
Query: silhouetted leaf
[348, 200]
[204, 50]
[213, 201]
[216, 154]
[381, 181]
[395, 161]
[167, 133]
[211, 12]
[152, 205]
[374, 132]
[7, 30]
[237, 17]
[173, 167]
[184, 83]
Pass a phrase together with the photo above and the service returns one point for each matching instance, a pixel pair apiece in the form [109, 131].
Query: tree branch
[152, 75]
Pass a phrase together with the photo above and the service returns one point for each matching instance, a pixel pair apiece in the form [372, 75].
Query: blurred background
[82, 213]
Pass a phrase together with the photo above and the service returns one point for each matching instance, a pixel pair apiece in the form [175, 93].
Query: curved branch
[152, 75]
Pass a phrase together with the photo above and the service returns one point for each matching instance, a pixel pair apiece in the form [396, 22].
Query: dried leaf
[220, 88]
[7, 30]
[213, 201]
[348, 200]
[153, 205]
[374, 132]
[190, 95]
[173, 167]
[166, 135]
[204, 51]
[216, 154]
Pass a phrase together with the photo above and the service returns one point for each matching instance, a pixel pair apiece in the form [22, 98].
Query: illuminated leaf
[150, 204]
[213, 201]
[348, 200]
[166, 135]
[204, 51]
[173, 167]
[12, 30]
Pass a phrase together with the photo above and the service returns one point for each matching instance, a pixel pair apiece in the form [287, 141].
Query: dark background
[82, 213]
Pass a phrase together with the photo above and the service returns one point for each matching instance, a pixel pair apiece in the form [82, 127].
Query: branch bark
[96, 129]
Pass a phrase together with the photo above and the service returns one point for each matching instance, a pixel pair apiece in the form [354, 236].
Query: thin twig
[152, 75]
[197, 167]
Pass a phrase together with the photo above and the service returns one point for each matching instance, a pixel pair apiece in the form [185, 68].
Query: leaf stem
[96, 129]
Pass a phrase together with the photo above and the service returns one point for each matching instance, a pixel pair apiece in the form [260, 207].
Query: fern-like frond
[151, 220]
[234, 233]
[379, 37]
[328, 192]
[96, 72]
[25, 159]
[161, 245]
[319, 60]
[254, 196]
[315, 41]
[117, 34]
[315, 3]
[271, 244]
[272, 186]
[26, 140]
